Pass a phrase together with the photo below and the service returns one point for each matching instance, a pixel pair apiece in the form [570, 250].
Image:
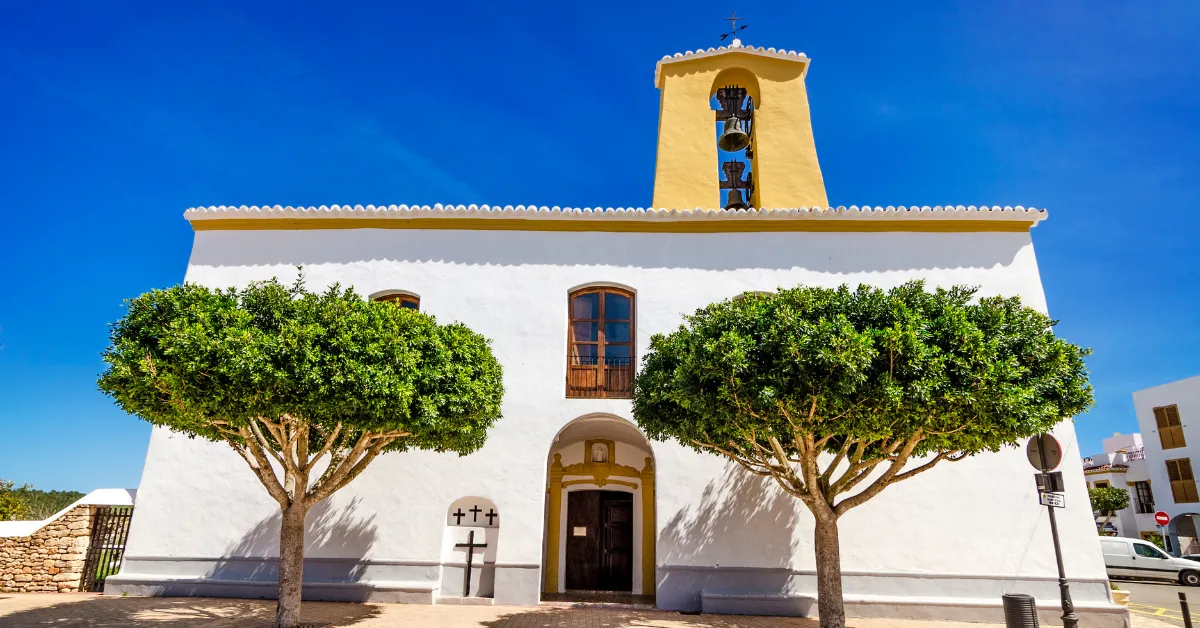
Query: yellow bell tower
[781, 157]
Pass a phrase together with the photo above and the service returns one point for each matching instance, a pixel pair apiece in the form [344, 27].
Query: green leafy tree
[12, 507]
[45, 504]
[308, 388]
[1106, 502]
[836, 394]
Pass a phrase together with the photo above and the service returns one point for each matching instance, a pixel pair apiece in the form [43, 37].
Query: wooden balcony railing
[588, 379]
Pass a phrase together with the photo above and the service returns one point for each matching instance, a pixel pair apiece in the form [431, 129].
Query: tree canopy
[875, 378]
[288, 377]
[864, 373]
[209, 362]
[1108, 499]
[12, 507]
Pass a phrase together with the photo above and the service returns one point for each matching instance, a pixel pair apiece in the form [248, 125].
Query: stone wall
[50, 559]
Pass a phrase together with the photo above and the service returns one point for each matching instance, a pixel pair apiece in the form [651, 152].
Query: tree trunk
[1108, 515]
[291, 567]
[829, 573]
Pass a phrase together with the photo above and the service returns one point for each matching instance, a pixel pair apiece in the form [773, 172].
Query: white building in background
[1169, 417]
[1123, 465]
[570, 298]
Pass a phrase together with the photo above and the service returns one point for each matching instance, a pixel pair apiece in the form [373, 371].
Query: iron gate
[110, 527]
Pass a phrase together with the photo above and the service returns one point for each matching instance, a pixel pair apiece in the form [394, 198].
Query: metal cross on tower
[734, 19]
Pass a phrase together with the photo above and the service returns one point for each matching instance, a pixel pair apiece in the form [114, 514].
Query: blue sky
[117, 116]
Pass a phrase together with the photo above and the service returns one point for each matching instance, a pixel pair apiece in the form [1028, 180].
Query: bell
[735, 200]
[733, 138]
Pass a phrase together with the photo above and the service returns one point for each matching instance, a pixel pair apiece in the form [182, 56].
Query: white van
[1134, 558]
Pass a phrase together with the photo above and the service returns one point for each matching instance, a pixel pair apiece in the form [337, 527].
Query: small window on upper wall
[1170, 430]
[600, 341]
[1183, 483]
[403, 299]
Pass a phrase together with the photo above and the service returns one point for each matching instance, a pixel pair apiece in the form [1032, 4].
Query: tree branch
[340, 465]
[745, 464]
[252, 453]
[837, 460]
[263, 443]
[884, 480]
[321, 492]
[330, 439]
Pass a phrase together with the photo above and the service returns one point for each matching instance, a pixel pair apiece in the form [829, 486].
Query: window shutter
[1160, 417]
[1170, 430]
[1165, 437]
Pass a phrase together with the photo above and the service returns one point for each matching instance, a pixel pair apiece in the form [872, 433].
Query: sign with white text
[1053, 500]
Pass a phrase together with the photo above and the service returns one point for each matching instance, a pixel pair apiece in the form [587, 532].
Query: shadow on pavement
[111, 612]
[620, 618]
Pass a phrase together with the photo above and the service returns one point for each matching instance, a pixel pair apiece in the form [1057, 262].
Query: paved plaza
[79, 609]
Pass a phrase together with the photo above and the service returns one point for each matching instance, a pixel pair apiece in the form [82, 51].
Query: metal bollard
[1183, 606]
[1020, 611]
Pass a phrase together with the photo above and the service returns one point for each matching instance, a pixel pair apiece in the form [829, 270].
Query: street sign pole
[1045, 452]
[1162, 519]
[1068, 608]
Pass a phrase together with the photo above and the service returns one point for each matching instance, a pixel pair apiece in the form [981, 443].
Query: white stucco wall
[978, 518]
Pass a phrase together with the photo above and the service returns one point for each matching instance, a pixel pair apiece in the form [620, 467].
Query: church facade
[567, 495]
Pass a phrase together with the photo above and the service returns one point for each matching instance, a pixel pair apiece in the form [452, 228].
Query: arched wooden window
[600, 341]
[403, 299]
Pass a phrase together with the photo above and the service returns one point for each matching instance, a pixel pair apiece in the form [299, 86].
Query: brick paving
[31, 610]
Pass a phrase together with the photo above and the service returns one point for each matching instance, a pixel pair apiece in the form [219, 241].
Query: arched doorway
[1183, 532]
[600, 530]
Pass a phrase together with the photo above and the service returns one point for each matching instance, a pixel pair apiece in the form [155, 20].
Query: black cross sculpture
[470, 545]
[458, 516]
[491, 514]
[475, 510]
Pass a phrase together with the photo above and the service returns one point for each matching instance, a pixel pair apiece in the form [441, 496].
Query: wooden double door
[599, 541]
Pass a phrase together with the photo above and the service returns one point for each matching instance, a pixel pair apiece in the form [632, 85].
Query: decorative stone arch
[587, 469]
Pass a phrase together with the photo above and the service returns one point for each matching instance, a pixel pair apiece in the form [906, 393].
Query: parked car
[1134, 558]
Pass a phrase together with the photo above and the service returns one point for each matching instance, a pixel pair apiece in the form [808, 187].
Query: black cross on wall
[470, 546]
[491, 515]
[475, 510]
[458, 516]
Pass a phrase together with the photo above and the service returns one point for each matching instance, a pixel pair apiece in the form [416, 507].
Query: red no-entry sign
[1162, 518]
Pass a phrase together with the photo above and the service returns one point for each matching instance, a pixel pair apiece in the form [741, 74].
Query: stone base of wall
[50, 559]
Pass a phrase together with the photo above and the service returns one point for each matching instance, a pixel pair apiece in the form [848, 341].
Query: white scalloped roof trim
[528, 212]
[787, 55]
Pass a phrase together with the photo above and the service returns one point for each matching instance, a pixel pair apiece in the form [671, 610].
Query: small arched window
[600, 340]
[403, 299]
